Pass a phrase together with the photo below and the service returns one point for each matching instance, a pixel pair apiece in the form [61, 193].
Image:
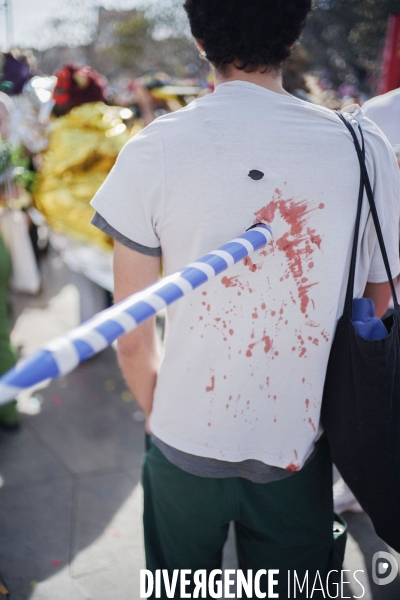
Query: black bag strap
[364, 184]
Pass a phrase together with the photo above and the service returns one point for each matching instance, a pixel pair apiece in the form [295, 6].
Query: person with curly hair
[233, 410]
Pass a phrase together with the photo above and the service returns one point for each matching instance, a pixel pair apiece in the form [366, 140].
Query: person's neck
[271, 80]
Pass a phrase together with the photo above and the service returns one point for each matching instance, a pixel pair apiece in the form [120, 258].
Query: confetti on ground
[33, 583]
[80, 381]
[109, 385]
[127, 396]
[139, 416]
[62, 383]
[57, 401]
[4, 590]
[36, 401]
[56, 563]
[114, 533]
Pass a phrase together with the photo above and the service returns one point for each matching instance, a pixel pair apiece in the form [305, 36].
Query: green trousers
[285, 525]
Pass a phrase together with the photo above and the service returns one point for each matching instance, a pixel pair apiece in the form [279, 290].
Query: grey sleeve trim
[99, 222]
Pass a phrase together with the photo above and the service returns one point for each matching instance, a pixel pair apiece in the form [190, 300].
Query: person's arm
[380, 294]
[137, 351]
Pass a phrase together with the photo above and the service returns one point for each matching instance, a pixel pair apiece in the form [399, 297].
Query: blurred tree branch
[346, 37]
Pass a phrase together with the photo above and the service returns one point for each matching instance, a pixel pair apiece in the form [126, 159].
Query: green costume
[8, 412]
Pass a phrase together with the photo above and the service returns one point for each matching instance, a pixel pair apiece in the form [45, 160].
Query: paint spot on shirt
[252, 266]
[210, 388]
[325, 335]
[267, 343]
[230, 281]
[292, 467]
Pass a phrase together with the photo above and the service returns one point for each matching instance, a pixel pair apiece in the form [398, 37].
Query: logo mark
[384, 568]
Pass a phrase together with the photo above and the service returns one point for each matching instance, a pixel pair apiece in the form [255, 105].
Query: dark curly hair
[252, 35]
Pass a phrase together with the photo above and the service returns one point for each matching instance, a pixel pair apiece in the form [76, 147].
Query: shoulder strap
[364, 184]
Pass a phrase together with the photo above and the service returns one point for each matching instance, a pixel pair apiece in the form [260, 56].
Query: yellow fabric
[84, 145]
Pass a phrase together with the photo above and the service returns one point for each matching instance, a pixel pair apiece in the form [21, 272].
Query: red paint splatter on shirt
[252, 266]
[210, 388]
[292, 467]
[325, 335]
[311, 423]
[263, 306]
[307, 403]
[298, 244]
[267, 343]
[230, 281]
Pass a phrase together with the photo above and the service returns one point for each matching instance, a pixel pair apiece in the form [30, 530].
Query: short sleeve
[385, 179]
[384, 176]
[132, 198]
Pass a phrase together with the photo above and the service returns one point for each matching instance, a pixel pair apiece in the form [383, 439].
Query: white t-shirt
[384, 111]
[246, 354]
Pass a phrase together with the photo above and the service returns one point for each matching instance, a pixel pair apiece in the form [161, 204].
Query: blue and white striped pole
[65, 353]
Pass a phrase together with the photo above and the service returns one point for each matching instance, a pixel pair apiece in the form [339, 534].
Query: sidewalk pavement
[70, 497]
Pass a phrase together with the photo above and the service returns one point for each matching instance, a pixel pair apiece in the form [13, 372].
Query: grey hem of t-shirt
[99, 222]
[253, 470]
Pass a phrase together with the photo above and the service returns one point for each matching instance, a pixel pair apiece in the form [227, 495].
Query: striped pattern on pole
[63, 354]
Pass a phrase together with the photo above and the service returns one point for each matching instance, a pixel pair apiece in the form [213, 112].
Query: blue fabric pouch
[367, 325]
